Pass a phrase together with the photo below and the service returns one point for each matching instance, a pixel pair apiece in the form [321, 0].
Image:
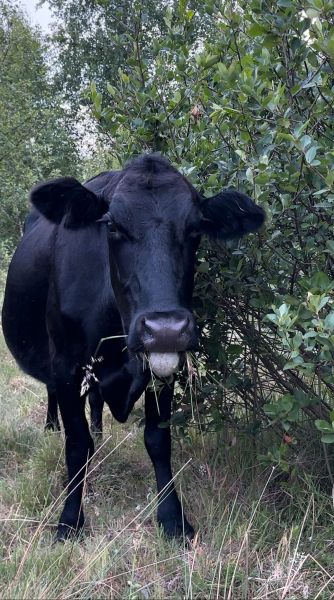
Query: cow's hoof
[69, 528]
[64, 532]
[177, 529]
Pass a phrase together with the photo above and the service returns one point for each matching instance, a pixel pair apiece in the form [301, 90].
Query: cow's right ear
[66, 197]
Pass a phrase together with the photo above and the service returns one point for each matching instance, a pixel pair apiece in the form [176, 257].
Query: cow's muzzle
[166, 332]
[163, 337]
[172, 331]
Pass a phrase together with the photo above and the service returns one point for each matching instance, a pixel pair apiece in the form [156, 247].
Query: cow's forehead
[166, 197]
[157, 183]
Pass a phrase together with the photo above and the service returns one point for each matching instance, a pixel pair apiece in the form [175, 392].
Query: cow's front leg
[79, 448]
[158, 445]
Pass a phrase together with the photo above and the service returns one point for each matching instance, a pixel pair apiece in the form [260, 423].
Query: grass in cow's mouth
[255, 539]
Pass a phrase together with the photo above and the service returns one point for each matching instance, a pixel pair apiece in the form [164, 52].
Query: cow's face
[153, 220]
[153, 225]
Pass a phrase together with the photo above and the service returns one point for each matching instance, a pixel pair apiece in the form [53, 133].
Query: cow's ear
[230, 214]
[66, 197]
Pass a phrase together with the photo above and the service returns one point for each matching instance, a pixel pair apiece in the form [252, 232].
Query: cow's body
[113, 258]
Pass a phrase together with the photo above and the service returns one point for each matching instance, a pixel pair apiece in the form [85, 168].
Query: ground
[255, 539]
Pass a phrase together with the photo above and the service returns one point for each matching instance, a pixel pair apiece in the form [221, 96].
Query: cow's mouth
[163, 364]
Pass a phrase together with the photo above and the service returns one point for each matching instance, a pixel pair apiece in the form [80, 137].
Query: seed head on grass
[89, 375]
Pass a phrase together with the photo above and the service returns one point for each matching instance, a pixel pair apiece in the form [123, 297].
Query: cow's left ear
[66, 197]
[230, 214]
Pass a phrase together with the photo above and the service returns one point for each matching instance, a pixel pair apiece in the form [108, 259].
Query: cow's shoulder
[82, 283]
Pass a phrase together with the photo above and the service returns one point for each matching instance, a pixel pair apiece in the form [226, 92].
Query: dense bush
[252, 108]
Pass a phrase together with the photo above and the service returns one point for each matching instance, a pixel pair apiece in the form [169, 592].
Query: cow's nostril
[154, 327]
[166, 332]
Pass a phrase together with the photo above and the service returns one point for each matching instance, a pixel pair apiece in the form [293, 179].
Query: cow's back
[24, 308]
[58, 287]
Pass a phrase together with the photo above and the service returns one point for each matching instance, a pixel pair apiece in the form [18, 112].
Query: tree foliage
[96, 46]
[37, 141]
[252, 108]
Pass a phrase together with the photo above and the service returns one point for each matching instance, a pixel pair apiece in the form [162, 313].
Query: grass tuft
[255, 539]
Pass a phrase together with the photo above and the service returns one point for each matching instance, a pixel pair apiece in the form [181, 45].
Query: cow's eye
[111, 227]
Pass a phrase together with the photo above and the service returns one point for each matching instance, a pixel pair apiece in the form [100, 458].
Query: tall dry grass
[254, 538]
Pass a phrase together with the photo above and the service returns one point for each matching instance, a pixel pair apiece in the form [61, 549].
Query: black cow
[114, 257]
[95, 400]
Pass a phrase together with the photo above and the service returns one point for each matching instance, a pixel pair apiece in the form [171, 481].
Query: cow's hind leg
[79, 449]
[52, 421]
[96, 409]
[158, 445]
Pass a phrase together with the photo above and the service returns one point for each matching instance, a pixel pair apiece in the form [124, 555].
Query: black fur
[76, 278]
[65, 196]
[230, 214]
[31, 219]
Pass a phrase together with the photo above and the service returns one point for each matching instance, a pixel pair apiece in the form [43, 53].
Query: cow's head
[153, 219]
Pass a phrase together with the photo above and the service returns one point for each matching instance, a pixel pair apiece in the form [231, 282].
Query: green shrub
[251, 108]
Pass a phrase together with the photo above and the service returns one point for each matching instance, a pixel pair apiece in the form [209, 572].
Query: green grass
[255, 539]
